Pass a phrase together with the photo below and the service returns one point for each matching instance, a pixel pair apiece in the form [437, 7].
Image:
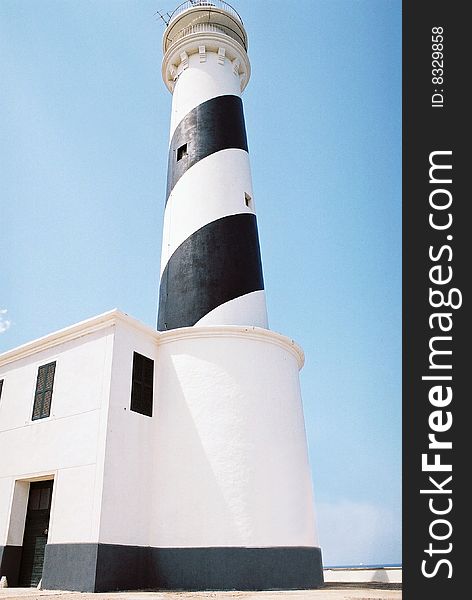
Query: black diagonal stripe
[217, 263]
[214, 125]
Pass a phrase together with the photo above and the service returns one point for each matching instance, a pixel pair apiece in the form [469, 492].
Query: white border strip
[112, 317]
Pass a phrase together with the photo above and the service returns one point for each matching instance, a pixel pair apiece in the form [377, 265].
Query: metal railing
[206, 28]
[206, 3]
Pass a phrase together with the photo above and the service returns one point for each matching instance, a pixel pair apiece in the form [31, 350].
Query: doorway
[36, 533]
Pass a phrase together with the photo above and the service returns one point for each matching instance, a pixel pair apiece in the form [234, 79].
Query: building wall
[130, 437]
[213, 490]
[68, 445]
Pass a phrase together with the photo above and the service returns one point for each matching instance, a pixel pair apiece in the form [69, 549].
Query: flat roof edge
[72, 332]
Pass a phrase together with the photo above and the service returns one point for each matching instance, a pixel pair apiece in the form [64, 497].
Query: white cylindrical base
[230, 459]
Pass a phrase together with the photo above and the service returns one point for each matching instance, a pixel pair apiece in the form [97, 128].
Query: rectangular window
[248, 200]
[181, 152]
[1, 388]
[43, 393]
[142, 385]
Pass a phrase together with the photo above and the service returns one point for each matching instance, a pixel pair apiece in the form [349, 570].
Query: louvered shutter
[43, 393]
[142, 385]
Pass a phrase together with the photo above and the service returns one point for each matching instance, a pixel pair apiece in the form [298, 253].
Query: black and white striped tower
[232, 489]
[211, 271]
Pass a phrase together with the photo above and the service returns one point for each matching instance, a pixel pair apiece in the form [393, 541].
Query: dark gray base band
[70, 567]
[107, 567]
[242, 569]
[10, 559]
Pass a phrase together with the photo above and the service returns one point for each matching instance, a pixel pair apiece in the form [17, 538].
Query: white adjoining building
[176, 458]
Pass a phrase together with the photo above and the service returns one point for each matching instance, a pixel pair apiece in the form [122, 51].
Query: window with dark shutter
[43, 393]
[142, 385]
[1, 388]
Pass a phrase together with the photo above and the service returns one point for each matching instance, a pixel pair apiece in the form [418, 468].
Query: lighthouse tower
[232, 479]
[211, 267]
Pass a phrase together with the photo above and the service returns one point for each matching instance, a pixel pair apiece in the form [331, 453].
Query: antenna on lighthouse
[164, 16]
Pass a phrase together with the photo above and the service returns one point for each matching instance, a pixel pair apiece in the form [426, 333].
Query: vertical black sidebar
[436, 304]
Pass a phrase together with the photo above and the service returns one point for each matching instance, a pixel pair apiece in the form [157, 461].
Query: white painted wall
[363, 575]
[68, 445]
[234, 311]
[222, 462]
[126, 502]
[6, 494]
[19, 503]
[76, 506]
[231, 466]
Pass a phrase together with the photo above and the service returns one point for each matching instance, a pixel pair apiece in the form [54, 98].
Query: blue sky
[84, 119]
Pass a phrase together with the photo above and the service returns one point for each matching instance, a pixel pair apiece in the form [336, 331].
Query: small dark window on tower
[142, 385]
[1, 387]
[43, 393]
[248, 200]
[181, 152]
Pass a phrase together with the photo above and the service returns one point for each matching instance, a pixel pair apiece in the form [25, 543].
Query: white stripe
[201, 82]
[211, 189]
[236, 311]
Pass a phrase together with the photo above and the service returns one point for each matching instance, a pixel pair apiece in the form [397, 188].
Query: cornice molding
[114, 317]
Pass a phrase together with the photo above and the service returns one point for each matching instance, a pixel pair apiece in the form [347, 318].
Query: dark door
[36, 533]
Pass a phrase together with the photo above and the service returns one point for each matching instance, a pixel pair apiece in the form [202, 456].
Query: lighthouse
[173, 458]
[240, 469]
